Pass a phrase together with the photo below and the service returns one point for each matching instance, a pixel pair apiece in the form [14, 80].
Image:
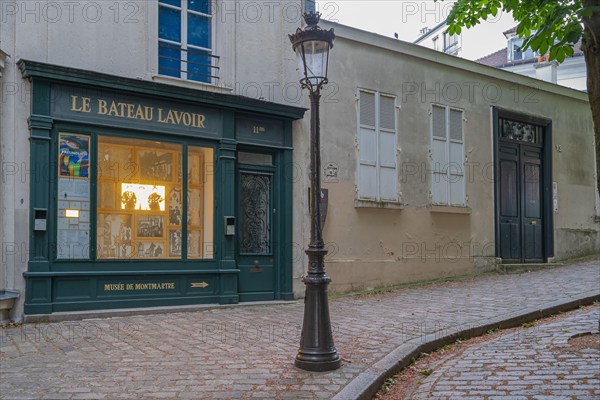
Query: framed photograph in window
[115, 162]
[194, 207]
[175, 206]
[150, 226]
[114, 235]
[175, 243]
[194, 169]
[194, 244]
[155, 165]
[150, 249]
[108, 195]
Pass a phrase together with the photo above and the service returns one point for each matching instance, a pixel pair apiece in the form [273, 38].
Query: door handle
[256, 267]
[533, 222]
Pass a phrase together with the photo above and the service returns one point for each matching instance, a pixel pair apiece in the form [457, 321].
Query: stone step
[525, 267]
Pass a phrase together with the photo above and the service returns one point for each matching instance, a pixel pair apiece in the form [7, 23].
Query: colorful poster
[73, 158]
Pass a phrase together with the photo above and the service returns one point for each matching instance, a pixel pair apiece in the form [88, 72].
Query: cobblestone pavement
[248, 352]
[537, 363]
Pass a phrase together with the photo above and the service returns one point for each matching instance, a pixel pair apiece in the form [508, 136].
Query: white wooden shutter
[456, 170]
[367, 146]
[439, 154]
[388, 179]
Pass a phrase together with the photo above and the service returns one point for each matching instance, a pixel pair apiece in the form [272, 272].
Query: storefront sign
[136, 111]
[111, 287]
[259, 130]
[132, 111]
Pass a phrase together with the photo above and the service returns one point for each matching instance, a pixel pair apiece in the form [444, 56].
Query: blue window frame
[185, 39]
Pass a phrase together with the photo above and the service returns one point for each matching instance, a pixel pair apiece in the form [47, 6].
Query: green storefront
[145, 194]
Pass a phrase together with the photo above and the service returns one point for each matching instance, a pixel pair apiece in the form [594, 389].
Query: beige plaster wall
[372, 247]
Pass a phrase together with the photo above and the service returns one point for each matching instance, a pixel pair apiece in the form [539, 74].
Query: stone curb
[367, 383]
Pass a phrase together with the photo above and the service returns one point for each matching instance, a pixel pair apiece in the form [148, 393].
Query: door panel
[255, 235]
[531, 160]
[509, 213]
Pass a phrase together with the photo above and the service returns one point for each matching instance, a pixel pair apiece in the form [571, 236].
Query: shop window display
[140, 203]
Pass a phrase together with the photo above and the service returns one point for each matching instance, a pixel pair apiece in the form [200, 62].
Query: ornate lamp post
[317, 351]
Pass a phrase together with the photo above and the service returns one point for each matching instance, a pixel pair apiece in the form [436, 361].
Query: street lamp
[317, 351]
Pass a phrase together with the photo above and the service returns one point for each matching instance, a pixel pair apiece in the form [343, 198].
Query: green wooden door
[257, 229]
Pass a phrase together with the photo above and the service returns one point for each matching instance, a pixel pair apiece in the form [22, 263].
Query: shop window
[185, 40]
[447, 152]
[377, 170]
[200, 202]
[73, 221]
[140, 202]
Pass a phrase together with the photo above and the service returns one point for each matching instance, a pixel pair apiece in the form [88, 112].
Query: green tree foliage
[546, 25]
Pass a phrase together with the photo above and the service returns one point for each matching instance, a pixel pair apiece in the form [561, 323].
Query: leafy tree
[553, 26]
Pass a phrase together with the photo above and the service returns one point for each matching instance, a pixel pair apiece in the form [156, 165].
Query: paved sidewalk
[535, 363]
[248, 352]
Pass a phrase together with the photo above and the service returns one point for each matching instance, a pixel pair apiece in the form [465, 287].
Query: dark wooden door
[519, 203]
[256, 229]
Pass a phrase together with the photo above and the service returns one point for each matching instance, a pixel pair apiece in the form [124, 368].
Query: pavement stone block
[220, 353]
[544, 375]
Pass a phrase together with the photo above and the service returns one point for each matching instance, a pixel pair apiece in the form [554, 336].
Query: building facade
[144, 145]
[441, 166]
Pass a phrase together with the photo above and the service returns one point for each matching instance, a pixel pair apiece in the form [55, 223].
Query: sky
[405, 17]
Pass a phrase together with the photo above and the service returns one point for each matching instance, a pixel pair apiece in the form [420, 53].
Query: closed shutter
[387, 148]
[447, 152]
[439, 154]
[367, 146]
[456, 171]
[377, 170]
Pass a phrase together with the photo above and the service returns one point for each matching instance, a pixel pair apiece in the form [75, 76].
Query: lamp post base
[318, 362]
[317, 351]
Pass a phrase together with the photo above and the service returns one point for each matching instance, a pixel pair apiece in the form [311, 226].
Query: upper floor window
[447, 153]
[185, 40]
[515, 52]
[377, 169]
[450, 43]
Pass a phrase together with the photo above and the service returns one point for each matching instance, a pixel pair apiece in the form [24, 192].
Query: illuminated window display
[140, 203]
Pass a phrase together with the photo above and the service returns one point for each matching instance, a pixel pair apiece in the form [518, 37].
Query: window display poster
[73, 220]
[73, 155]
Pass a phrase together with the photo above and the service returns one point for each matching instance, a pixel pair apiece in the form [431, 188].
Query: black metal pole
[317, 351]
